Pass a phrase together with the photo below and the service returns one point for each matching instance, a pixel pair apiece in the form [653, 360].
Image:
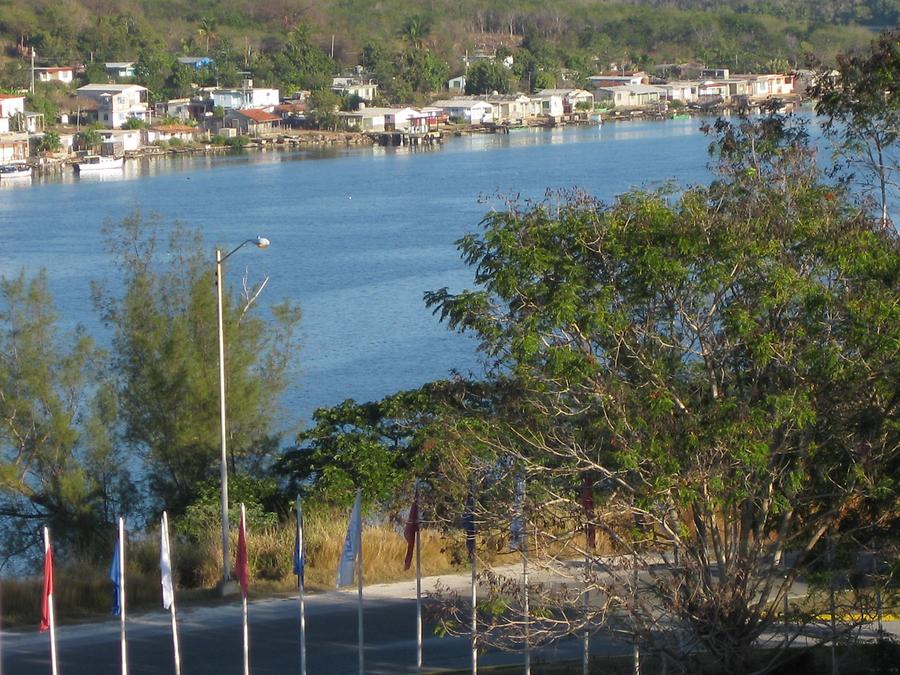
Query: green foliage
[165, 355]
[261, 498]
[134, 123]
[485, 77]
[50, 142]
[58, 464]
[237, 142]
[88, 139]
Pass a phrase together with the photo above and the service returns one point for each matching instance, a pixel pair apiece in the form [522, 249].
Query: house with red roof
[64, 74]
[252, 121]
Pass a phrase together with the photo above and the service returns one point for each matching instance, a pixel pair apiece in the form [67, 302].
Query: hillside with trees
[290, 43]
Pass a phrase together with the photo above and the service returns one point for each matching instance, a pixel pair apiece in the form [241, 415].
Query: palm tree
[415, 29]
[207, 30]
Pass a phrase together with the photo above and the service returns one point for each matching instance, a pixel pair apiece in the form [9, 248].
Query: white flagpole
[244, 605]
[300, 584]
[418, 588]
[122, 638]
[359, 583]
[175, 649]
[474, 637]
[54, 669]
[524, 551]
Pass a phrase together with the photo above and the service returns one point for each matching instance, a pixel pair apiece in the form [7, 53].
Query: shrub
[237, 142]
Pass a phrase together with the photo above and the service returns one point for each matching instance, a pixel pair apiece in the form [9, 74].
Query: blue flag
[469, 524]
[115, 578]
[299, 546]
[517, 525]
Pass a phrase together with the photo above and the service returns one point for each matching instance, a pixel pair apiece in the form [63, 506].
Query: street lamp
[259, 242]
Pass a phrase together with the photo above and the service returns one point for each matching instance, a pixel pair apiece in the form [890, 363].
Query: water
[358, 234]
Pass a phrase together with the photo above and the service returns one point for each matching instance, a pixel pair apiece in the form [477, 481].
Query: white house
[11, 105]
[117, 103]
[247, 96]
[685, 91]
[352, 86]
[161, 133]
[764, 86]
[118, 141]
[573, 99]
[471, 111]
[508, 107]
[551, 105]
[630, 95]
[13, 147]
[457, 85]
[598, 81]
[64, 74]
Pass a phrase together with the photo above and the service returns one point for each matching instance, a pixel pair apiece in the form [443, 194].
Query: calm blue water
[357, 234]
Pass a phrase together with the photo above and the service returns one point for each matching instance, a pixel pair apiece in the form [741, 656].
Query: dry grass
[83, 590]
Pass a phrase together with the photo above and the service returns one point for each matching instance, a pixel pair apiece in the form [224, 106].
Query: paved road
[211, 639]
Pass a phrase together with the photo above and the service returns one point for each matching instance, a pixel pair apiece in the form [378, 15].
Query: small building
[252, 121]
[163, 133]
[630, 95]
[616, 79]
[13, 147]
[196, 62]
[116, 142]
[119, 70]
[685, 91]
[116, 103]
[457, 85]
[471, 111]
[768, 85]
[176, 108]
[12, 109]
[366, 119]
[354, 86]
[573, 99]
[247, 96]
[64, 74]
[512, 107]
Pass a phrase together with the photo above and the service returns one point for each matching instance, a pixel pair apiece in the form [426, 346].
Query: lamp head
[261, 242]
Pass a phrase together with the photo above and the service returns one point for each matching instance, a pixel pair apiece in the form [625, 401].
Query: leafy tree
[415, 30]
[423, 71]
[323, 105]
[861, 106]
[301, 64]
[484, 77]
[133, 123]
[165, 355]
[88, 139]
[153, 69]
[58, 465]
[50, 142]
[208, 30]
[717, 370]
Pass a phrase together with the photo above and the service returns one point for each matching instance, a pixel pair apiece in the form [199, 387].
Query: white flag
[351, 544]
[165, 565]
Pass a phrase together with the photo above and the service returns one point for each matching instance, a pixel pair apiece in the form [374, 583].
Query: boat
[99, 163]
[10, 171]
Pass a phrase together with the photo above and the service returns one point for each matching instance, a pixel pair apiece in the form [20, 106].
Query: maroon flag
[587, 503]
[411, 531]
[241, 568]
[48, 586]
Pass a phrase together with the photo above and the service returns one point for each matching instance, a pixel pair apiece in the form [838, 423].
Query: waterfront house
[116, 142]
[364, 119]
[176, 108]
[630, 95]
[119, 70]
[64, 74]
[292, 113]
[685, 91]
[768, 85]
[116, 103]
[163, 133]
[573, 99]
[367, 90]
[252, 121]
[512, 107]
[13, 147]
[468, 110]
[550, 105]
[615, 79]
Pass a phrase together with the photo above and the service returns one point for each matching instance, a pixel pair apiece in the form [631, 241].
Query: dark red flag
[48, 586]
[411, 531]
[241, 568]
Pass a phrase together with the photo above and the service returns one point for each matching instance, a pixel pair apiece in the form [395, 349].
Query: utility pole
[32, 71]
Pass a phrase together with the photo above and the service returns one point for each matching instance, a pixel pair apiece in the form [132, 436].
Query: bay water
[358, 235]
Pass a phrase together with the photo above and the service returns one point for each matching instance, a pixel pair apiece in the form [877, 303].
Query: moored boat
[9, 171]
[99, 163]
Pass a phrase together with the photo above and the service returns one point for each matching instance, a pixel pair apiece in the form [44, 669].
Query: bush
[237, 142]
[218, 139]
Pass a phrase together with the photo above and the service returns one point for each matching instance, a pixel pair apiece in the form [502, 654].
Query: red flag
[411, 531]
[48, 585]
[587, 503]
[241, 568]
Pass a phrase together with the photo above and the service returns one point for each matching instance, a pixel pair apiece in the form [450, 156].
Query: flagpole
[54, 669]
[175, 649]
[244, 601]
[359, 585]
[418, 590]
[524, 551]
[121, 584]
[300, 584]
[474, 637]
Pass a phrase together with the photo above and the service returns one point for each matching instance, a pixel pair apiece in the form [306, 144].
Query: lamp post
[259, 242]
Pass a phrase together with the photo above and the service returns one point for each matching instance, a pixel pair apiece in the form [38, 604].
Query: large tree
[860, 103]
[165, 355]
[59, 465]
[712, 373]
